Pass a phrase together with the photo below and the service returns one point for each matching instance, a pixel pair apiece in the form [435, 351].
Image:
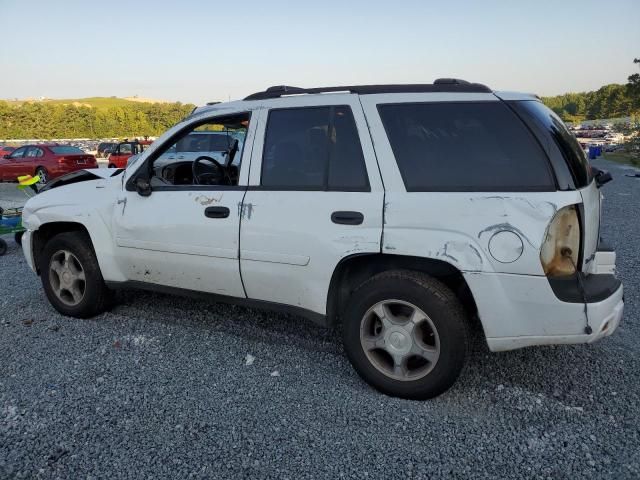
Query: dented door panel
[466, 229]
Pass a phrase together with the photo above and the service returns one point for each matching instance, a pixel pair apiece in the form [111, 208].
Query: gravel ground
[160, 388]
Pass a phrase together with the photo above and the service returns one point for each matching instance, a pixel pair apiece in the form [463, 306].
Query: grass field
[626, 158]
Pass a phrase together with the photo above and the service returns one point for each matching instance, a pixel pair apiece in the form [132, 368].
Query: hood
[81, 176]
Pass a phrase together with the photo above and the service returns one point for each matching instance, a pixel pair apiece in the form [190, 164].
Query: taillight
[561, 246]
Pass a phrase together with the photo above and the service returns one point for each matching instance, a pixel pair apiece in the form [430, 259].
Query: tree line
[46, 120]
[610, 101]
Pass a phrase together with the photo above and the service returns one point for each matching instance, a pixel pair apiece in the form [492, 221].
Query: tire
[111, 165]
[439, 332]
[42, 173]
[18, 237]
[3, 247]
[94, 297]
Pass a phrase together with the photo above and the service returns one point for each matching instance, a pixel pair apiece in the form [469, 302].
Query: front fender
[90, 205]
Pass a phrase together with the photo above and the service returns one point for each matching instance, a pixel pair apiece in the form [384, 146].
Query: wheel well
[49, 230]
[352, 271]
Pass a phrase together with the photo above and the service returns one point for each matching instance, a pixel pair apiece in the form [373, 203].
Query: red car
[45, 160]
[6, 150]
[119, 156]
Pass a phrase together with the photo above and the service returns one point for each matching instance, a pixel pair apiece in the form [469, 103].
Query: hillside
[92, 102]
[93, 117]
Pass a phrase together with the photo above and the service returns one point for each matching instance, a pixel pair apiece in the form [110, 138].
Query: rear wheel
[406, 334]
[18, 237]
[3, 247]
[111, 165]
[71, 276]
[42, 173]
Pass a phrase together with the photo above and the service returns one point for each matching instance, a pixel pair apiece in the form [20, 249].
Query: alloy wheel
[399, 340]
[67, 277]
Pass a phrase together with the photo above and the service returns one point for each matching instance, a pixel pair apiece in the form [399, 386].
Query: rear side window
[66, 150]
[566, 142]
[480, 146]
[315, 148]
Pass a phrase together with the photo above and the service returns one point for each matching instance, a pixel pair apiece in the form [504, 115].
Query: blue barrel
[598, 150]
[592, 152]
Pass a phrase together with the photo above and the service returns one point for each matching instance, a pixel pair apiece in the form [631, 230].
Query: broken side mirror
[143, 187]
[601, 176]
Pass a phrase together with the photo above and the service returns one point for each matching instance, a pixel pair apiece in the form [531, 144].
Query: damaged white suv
[401, 212]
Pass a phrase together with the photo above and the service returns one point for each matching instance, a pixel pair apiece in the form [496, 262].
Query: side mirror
[601, 176]
[143, 187]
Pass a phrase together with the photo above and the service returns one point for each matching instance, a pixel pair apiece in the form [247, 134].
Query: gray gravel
[160, 388]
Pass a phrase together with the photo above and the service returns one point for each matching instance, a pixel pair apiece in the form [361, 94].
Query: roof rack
[439, 85]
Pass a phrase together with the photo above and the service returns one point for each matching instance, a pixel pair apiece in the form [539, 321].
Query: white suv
[402, 213]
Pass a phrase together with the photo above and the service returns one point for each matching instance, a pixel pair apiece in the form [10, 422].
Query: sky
[198, 51]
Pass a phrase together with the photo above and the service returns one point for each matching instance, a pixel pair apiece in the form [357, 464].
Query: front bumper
[27, 249]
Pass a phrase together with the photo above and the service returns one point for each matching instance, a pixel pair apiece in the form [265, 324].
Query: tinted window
[464, 146]
[19, 152]
[34, 152]
[125, 149]
[313, 148]
[66, 150]
[565, 141]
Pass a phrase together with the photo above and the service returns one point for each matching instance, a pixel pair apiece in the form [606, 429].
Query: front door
[15, 164]
[184, 234]
[315, 198]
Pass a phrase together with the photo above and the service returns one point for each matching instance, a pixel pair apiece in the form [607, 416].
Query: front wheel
[71, 276]
[111, 165]
[18, 237]
[406, 334]
[3, 247]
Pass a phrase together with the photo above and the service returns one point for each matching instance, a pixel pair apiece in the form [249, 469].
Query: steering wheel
[214, 176]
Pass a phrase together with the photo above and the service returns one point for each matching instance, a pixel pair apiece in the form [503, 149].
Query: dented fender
[94, 212]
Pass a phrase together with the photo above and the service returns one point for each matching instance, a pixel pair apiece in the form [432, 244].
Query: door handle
[216, 212]
[347, 218]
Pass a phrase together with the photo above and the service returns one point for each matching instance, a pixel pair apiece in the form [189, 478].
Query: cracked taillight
[561, 245]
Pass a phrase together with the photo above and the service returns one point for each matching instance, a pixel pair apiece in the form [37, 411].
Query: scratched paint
[205, 200]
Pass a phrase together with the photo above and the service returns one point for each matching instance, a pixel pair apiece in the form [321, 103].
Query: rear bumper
[521, 311]
[604, 318]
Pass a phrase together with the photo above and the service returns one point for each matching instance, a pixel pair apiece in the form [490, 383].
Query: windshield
[66, 150]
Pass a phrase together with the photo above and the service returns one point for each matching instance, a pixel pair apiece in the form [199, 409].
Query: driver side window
[206, 153]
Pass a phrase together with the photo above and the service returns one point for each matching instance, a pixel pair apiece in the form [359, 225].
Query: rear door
[315, 197]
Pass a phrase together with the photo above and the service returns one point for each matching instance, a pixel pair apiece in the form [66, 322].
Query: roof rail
[439, 85]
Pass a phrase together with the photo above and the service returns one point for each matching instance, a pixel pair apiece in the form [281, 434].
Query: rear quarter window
[465, 146]
[557, 135]
[66, 150]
